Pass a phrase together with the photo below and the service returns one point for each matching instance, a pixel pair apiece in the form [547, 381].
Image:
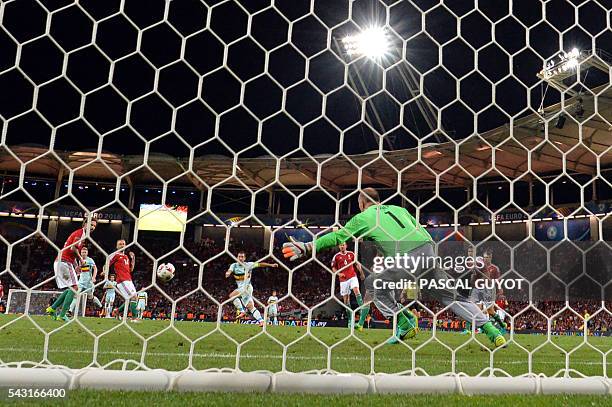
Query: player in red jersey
[65, 266]
[485, 297]
[501, 303]
[343, 263]
[122, 265]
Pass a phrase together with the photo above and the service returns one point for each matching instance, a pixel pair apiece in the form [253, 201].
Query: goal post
[241, 382]
[218, 136]
[36, 301]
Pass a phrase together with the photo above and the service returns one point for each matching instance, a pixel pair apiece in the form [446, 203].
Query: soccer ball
[165, 272]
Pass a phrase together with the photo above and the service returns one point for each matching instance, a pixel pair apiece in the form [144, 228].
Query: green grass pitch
[89, 397]
[167, 346]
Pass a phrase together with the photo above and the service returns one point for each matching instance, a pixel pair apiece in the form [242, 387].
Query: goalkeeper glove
[294, 249]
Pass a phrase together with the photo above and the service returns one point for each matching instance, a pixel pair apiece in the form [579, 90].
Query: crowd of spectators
[198, 288]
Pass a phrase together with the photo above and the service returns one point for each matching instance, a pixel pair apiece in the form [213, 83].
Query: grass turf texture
[116, 398]
[168, 347]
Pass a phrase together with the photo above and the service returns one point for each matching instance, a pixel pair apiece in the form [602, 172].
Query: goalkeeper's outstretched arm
[354, 228]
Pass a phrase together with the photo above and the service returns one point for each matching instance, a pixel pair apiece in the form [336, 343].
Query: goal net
[36, 301]
[461, 150]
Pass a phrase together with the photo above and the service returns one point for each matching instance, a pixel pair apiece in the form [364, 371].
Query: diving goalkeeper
[393, 230]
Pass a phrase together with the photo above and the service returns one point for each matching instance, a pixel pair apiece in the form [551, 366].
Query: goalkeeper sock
[67, 301]
[363, 314]
[256, 315]
[60, 300]
[498, 320]
[120, 310]
[403, 322]
[468, 326]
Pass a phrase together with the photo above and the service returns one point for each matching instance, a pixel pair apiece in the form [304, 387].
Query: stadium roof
[452, 162]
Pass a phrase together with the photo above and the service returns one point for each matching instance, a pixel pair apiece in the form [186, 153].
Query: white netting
[17, 300]
[489, 121]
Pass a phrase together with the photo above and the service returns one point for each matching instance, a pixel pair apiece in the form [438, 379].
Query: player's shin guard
[67, 301]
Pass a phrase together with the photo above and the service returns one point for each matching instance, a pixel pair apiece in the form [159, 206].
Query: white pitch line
[294, 357]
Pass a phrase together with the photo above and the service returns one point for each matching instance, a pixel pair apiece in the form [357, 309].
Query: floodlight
[371, 42]
[565, 61]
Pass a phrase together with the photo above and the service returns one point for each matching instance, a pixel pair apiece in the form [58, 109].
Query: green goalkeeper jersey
[392, 227]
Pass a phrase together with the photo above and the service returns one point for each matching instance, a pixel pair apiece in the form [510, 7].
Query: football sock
[60, 300]
[238, 304]
[498, 320]
[403, 322]
[256, 315]
[490, 330]
[359, 299]
[133, 309]
[97, 302]
[73, 304]
[67, 301]
[363, 314]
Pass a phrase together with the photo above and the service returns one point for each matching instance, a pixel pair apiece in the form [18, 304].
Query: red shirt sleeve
[496, 272]
[71, 239]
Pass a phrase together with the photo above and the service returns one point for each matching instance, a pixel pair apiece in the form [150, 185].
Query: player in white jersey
[109, 296]
[87, 279]
[141, 303]
[273, 308]
[243, 294]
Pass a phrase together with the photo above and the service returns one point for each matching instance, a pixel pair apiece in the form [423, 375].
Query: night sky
[169, 68]
[180, 72]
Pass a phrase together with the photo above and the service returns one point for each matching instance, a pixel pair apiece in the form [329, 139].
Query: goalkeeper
[394, 231]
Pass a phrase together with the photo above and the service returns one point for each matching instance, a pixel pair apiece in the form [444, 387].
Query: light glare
[371, 42]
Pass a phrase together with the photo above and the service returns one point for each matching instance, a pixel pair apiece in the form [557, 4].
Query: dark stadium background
[58, 101]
